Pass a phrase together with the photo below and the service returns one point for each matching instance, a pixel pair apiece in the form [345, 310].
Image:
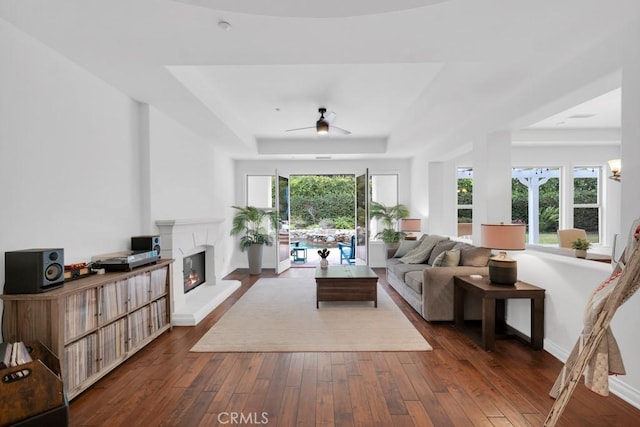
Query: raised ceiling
[601, 112]
[309, 9]
[402, 76]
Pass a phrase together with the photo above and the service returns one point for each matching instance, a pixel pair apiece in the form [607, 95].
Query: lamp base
[503, 271]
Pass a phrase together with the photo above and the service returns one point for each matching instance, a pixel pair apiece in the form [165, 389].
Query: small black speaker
[33, 270]
[145, 243]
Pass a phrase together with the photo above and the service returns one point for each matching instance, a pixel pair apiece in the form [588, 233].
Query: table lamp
[410, 225]
[504, 237]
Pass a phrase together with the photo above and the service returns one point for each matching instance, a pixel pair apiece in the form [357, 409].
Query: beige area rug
[280, 315]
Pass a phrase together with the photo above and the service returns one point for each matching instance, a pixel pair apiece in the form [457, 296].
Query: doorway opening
[322, 216]
[323, 211]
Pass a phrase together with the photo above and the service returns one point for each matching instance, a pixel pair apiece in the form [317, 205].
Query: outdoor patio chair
[298, 252]
[348, 252]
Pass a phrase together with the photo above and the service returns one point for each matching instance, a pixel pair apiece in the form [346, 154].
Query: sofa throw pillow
[422, 252]
[447, 259]
[473, 256]
[405, 247]
[445, 245]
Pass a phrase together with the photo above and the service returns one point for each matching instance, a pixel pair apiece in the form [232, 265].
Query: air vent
[581, 116]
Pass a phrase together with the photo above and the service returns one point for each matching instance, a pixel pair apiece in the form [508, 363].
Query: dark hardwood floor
[456, 384]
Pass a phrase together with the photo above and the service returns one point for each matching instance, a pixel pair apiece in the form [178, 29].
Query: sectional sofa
[422, 272]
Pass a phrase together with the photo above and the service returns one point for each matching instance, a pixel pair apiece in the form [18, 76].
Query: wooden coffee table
[346, 283]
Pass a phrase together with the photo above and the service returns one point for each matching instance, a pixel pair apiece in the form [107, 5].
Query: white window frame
[597, 205]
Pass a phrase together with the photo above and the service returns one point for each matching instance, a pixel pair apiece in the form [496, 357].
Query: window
[382, 189]
[261, 191]
[587, 205]
[535, 201]
[465, 201]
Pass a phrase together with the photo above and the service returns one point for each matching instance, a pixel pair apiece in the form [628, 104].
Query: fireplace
[194, 270]
[197, 288]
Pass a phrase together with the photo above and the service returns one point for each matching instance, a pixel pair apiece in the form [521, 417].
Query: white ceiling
[601, 112]
[402, 76]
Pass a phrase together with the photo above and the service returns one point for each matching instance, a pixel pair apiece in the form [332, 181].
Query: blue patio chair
[348, 252]
[298, 252]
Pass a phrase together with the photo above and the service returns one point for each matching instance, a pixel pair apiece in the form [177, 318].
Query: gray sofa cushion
[405, 247]
[440, 247]
[447, 259]
[399, 269]
[422, 252]
[413, 279]
[473, 256]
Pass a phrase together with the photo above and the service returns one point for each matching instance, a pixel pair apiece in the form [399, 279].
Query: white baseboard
[616, 385]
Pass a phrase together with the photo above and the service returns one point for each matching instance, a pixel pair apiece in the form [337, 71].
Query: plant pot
[324, 263]
[254, 254]
[581, 253]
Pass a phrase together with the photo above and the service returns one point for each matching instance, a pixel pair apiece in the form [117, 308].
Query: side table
[493, 306]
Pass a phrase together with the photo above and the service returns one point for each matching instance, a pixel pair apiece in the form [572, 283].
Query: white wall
[630, 150]
[569, 283]
[84, 167]
[189, 179]
[182, 171]
[68, 164]
[419, 181]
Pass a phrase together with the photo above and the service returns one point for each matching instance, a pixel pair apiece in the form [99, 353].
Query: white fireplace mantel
[183, 237]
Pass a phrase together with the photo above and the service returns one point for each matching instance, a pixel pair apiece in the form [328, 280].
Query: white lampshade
[506, 237]
[616, 169]
[615, 165]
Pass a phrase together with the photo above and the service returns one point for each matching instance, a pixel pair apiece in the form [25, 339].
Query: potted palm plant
[390, 216]
[249, 221]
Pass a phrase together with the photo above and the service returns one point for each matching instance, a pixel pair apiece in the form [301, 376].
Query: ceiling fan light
[322, 127]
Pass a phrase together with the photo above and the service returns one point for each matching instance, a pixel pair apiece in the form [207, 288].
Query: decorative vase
[324, 263]
[581, 253]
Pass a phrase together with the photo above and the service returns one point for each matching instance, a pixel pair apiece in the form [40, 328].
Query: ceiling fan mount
[324, 124]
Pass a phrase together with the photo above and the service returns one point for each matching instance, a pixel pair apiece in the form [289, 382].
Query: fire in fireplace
[193, 269]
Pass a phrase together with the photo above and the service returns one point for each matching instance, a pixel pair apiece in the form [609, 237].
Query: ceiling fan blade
[308, 127]
[330, 117]
[336, 129]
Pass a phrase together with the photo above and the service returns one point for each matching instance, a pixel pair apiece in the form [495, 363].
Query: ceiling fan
[323, 125]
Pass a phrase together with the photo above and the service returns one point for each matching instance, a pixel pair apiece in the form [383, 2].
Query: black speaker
[145, 243]
[33, 270]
